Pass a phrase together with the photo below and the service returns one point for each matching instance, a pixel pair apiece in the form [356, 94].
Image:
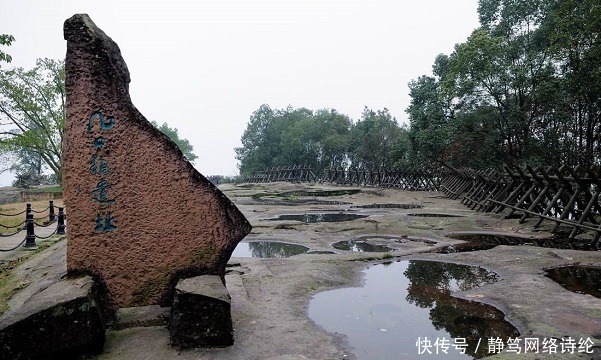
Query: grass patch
[16, 208]
[11, 223]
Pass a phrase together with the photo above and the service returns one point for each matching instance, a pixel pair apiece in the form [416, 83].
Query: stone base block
[59, 322]
[201, 313]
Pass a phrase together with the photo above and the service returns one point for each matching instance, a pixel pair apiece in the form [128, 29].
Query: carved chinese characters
[105, 222]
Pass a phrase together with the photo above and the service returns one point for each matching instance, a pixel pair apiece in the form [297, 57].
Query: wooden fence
[281, 173]
[414, 178]
[567, 197]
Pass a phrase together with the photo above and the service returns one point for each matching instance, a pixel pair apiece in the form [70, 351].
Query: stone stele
[140, 216]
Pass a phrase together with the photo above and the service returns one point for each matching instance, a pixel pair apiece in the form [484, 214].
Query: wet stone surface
[360, 246]
[316, 218]
[296, 202]
[579, 279]
[433, 215]
[389, 206]
[268, 249]
[321, 193]
[485, 241]
[271, 297]
[311, 193]
[405, 301]
[466, 247]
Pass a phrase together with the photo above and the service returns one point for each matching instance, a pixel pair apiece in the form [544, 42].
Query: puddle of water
[388, 206]
[360, 246]
[404, 301]
[268, 249]
[315, 193]
[465, 247]
[433, 215]
[325, 192]
[580, 279]
[296, 202]
[321, 252]
[488, 241]
[315, 218]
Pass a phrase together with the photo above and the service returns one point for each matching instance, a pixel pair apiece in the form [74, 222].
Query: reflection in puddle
[388, 206]
[315, 218]
[295, 202]
[480, 241]
[268, 249]
[337, 192]
[433, 215]
[580, 279]
[359, 246]
[403, 301]
[465, 247]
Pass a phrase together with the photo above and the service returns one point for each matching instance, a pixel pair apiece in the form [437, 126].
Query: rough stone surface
[270, 297]
[141, 216]
[142, 316]
[60, 321]
[201, 313]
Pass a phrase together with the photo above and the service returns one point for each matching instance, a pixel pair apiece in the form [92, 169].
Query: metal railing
[31, 222]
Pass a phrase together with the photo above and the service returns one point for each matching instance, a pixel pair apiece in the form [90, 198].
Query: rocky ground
[270, 297]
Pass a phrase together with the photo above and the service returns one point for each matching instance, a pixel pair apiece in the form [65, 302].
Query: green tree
[573, 28]
[495, 89]
[293, 141]
[32, 112]
[373, 139]
[28, 162]
[525, 87]
[333, 133]
[255, 153]
[5, 40]
[430, 114]
[183, 144]
[285, 137]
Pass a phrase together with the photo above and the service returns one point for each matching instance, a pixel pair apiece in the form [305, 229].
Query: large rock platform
[270, 296]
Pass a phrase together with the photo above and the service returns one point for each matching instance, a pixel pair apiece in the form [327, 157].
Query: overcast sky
[204, 66]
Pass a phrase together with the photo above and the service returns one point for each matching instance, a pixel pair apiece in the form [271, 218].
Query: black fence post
[30, 237]
[60, 227]
[52, 216]
[27, 212]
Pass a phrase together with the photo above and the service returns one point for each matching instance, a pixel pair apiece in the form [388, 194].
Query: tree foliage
[32, 113]
[5, 40]
[321, 139]
[525, 87]
[374, 138]
[183, 144]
